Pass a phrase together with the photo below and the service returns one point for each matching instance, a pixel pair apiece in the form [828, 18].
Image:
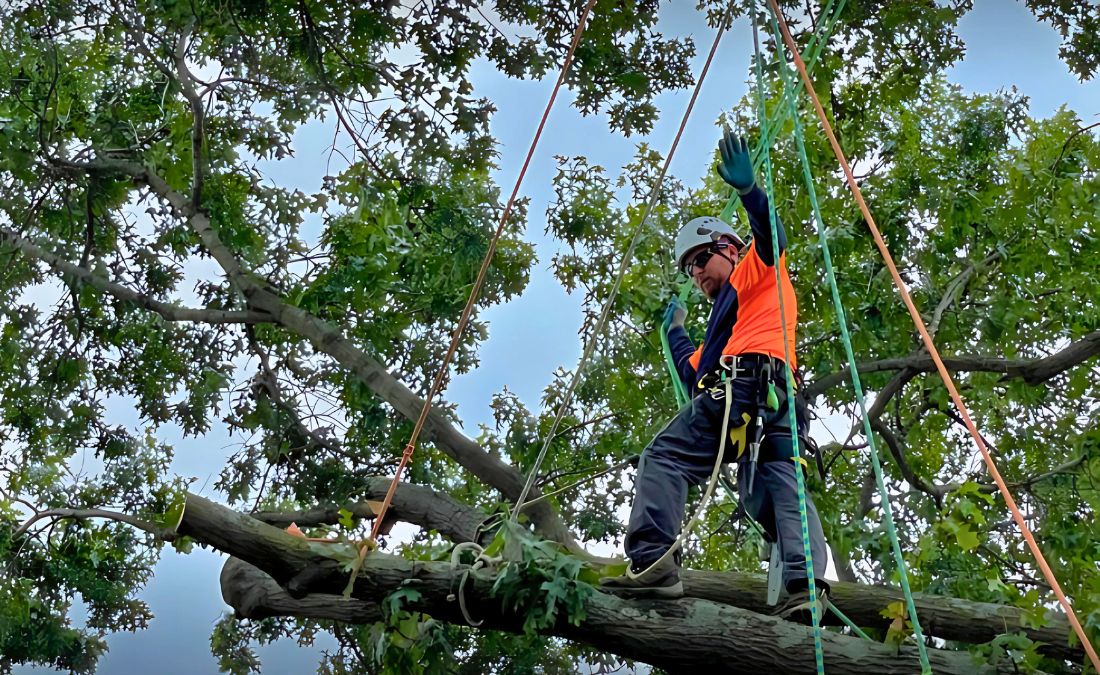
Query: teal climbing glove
[675, 313]
[735, 165]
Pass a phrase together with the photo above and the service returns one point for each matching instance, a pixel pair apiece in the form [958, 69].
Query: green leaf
[967, 538]
[347, 518]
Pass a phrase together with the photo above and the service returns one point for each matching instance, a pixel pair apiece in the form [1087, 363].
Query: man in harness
[742, 357]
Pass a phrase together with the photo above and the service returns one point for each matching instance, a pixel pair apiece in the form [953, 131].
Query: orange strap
[410, 447]
[928, 343]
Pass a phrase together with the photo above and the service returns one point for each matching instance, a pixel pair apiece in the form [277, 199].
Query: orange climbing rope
[410, 447]
[930, 345]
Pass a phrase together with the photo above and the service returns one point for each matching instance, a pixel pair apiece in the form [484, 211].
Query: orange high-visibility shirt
[757, 328]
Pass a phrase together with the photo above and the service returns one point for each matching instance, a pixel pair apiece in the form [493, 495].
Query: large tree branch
[298, 579]
[948, 618]
[328, 339]
[254, 595]
[168, 311]
[411, 503]
[1033, 371]
[689, 632]
[940, 616]
[676, 635]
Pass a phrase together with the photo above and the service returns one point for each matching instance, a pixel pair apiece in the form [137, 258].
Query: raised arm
[756, 204]
[735, 167]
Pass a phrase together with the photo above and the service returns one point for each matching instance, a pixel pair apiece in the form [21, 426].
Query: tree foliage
[152, 260]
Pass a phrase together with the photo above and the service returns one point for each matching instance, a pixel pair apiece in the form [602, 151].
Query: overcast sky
[1005, 47]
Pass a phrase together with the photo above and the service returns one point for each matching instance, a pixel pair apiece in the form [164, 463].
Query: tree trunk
[940, 616]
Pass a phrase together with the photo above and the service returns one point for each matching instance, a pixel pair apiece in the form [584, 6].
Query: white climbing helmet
[702, 232]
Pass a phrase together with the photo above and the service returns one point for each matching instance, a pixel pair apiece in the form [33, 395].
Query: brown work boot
[797, 606]
[663, 581]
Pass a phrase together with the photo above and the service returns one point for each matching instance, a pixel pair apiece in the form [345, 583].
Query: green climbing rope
[847, 622]
[815, 45]
[762, 117]
[850, 354]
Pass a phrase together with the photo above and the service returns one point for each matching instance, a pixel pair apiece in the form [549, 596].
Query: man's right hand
[735, 165]
[675, 313]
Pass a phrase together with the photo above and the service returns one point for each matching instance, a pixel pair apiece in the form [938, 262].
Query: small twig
[595, 420]
[1065, 145]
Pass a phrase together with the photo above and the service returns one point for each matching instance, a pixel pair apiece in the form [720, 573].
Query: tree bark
[411, 503]
[300, 582]
[677, 635]
[1032, 371]
[940, 616]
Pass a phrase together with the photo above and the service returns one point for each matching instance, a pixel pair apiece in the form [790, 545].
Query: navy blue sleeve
[681, 348]
[756, 204]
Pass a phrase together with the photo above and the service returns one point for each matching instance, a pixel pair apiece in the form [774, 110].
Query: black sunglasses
[702, 258]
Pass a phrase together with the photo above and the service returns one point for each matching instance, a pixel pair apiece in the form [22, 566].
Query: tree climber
[744, 344]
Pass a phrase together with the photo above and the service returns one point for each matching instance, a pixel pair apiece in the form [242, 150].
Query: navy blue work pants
[683, 454]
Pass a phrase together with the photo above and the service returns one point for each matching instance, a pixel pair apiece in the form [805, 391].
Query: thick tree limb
[86, 276]
[411, 503]
[941, 616]
[1032, 371]
[947, 618]
[676, 635]
[254, 595]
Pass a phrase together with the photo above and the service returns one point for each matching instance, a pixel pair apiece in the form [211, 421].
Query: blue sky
[1005, 47]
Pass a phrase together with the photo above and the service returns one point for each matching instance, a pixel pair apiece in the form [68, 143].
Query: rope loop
[481, 561]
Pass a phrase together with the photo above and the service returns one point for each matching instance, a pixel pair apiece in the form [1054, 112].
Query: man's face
[710, 266]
